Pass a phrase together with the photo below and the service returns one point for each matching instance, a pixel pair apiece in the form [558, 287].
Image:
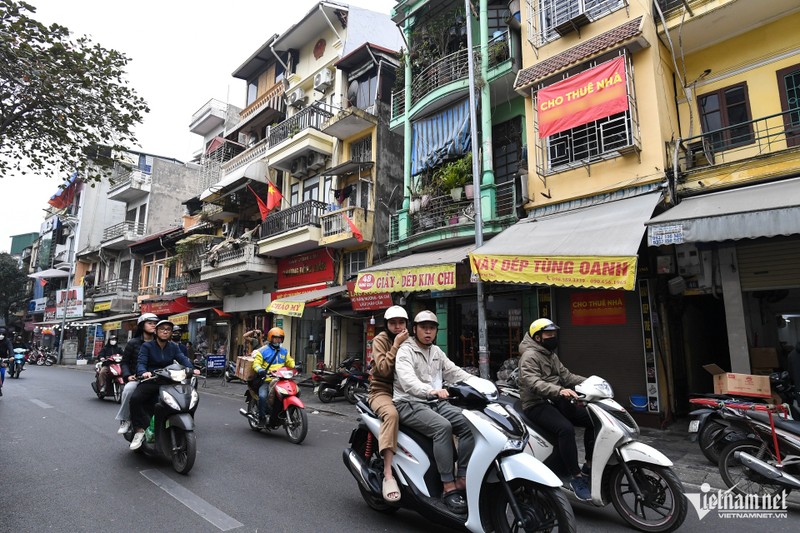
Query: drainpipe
[407, 121]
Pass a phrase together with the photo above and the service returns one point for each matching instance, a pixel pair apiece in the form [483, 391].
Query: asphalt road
[64, 468]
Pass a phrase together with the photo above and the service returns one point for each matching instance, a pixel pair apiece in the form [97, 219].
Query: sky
[181, 55]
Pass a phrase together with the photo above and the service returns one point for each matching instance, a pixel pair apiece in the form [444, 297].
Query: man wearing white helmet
[421, 370]
[384, 352]
[145, 331]
[546, 393]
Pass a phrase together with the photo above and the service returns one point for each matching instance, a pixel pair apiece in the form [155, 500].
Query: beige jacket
[418, 371]
[541, 374]
[384, 353]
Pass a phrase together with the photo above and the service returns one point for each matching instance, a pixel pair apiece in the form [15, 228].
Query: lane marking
[191, 500]
[41, 403]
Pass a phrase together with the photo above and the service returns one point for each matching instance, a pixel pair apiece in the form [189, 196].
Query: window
[789, 87]
[366, 90]
[361, 150]
[294, 194]
[327, 190]
[549, 19]
[311, 189]
[725, 117]
[353, 262]
[506, 148]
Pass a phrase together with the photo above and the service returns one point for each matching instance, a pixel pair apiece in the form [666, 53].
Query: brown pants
[381, 403]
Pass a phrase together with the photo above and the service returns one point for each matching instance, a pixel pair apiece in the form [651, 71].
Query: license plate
[694, 425]
[316, 389]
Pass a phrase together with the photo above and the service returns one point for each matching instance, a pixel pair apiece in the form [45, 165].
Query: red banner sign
[178, 305]
[591, 95]
[597, 308]
[305, 269]
[368, 302]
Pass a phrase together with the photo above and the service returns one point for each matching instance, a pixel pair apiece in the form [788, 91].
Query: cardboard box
[739, 384]
[244, 367]
[763, 358]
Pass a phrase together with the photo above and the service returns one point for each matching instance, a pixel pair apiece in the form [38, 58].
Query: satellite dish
[352, 93]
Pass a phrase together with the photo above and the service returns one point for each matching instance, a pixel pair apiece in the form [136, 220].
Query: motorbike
[507, 489]
[230, 372]
[114, 380]
[348, 380]
[635, 478]
[172, 421]
[45, 357]
[16, 363]
[288, 410]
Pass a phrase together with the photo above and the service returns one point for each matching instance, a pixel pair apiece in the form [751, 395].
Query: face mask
[2, 337]
[550, 343]
[112, 343]
[275, 345]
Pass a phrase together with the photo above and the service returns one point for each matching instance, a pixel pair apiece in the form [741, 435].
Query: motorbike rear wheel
[252, 410]
[352, 389]
[326, 394]
[543, 508]
[296, 424]
[185, 450]
[663, 497]
[742, 479]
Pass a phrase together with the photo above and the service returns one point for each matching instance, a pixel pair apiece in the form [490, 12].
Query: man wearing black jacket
[145, 331]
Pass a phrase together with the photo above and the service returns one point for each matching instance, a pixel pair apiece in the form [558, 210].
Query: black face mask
[550, 343]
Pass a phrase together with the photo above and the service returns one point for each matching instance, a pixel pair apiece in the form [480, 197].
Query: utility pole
[71, 223]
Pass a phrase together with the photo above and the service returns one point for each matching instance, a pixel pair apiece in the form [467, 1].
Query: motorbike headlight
[169, 400]
[194, 400]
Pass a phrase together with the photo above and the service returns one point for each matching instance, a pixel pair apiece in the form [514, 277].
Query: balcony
[266, 109]
[293, 230]
[116, 295]
[122, 235]
[336, 231]
[298, 136]
[211, 116]
[348, 123]
[130, 186]
[114, 287]
[236, 260]
[177, 283]
[761, 148]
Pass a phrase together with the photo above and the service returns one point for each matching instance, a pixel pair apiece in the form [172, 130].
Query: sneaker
[586, 470]
[137, 441]
[580, 486]
[124, 426]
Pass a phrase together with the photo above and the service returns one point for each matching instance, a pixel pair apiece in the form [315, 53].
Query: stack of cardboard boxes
[244, 367]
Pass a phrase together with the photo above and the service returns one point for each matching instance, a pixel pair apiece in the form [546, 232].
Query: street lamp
[71, 222]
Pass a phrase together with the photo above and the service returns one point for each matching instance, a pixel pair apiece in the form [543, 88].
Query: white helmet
[395, 311]
[426, 316]
[147, 317]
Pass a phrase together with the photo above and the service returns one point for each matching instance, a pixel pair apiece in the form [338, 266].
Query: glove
[262, 372]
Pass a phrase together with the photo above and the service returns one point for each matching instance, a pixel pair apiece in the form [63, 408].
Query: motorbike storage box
[739, 384]
[244, 367]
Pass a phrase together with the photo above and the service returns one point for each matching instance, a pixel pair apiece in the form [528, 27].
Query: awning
[256, 171]
[295, 305]
[49, 274]
[592, 246]
[112, 318]
[183, 318]
[764, 210]
[435, 270]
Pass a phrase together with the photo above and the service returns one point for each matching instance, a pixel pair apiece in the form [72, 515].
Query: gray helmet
[426, 316]
[147, 317]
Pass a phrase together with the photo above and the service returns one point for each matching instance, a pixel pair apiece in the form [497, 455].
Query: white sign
[70, 300]
[662, 235]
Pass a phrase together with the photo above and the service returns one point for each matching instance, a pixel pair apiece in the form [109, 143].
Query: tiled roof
[588, 48]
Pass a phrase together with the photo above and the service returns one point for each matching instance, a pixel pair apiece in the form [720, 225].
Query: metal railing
[333, 222]
[113, 286]
[746, 140]
[151, 289]
[131, 228]
[178, 283]
[273, 98]
[129, 178]
[309, 117]
[307, 213]
[669, 5]
[192, 258]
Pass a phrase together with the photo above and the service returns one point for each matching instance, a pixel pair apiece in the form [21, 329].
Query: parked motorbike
[288, 410]
[230, 372]
[45, 357]
[173, 434]
[507, 489]
[348, 380]
[114, 380]
[635, 478]
[16, 363]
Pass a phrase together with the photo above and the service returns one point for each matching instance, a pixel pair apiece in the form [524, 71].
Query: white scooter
[636, 478]
[507, 489]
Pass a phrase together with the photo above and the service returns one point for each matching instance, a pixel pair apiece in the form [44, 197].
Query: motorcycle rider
[269, 357]
[145, 331]
[421, 369]
[384, 352]
[153, 355]
[6, 351]
[176, 338]
[111, 348]
[547, 399]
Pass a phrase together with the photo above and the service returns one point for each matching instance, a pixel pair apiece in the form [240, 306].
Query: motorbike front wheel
[742, 479]
[352, 389]
[252, 411]
[543, 508]
[296, 424]
[664, 506]
[185, 450]
[326, 394]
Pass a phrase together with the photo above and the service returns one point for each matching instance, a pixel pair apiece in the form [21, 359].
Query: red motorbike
[114, 381]
[288, 410]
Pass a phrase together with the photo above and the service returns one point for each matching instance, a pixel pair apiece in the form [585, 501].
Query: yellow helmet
[541, 324]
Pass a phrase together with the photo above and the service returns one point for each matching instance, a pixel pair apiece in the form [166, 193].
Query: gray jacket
[541, 374]
[416, 374]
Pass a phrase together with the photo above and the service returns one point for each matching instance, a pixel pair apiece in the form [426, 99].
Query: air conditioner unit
[296, 98]
[323, 80]
[316, 160]
[299, 167]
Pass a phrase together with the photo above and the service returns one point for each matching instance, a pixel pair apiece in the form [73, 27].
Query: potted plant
[415, 198]
[451, 177]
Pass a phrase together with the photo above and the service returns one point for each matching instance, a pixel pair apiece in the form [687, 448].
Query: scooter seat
[544, 433]
[793, 426]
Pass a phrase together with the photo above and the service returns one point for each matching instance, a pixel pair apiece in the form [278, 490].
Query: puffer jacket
[541, 374]
[417, 374]
[130, 356]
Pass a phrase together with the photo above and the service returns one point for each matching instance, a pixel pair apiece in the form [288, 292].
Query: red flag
[64, 197]
[262, 207]
[42, 282]
[354, 228]
[274, 196]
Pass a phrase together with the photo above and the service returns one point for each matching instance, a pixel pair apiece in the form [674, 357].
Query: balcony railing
[133, 177]
[151, 290]
[113, 286]
[333, 223]
[307, 213]
[310, 117]
[273, 99]
[746, 140]
[669, 5]
[177, 283]
[234, 261]
[127, 228]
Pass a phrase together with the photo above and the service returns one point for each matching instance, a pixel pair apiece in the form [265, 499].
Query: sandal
[390, 487]
[455, 502]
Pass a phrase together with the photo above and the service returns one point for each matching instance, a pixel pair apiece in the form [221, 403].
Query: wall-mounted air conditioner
[299, 167]
[323, 80]
[316, 160]
[296, 98]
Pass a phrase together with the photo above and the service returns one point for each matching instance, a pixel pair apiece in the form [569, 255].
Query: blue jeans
[265, 398]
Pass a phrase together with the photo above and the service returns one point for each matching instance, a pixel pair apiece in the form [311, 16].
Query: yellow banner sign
[109, 326]
[581, 271]
[102, 306]
[427, 278]
[286, 308]
[179, 319]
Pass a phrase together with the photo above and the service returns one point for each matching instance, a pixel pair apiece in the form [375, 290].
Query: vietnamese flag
[42, 282]
[357, 234]
[262, 207]
[274, 196]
